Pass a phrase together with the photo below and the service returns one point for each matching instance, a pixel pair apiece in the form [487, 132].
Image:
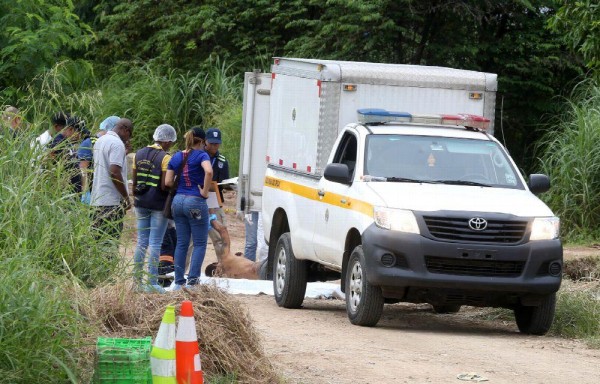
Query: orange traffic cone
[187, 350]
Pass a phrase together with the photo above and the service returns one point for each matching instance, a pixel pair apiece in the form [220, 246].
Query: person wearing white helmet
[150, 193]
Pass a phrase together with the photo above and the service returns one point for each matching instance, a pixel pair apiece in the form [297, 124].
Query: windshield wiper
[463, 182]
[407, 180]
[398, 179]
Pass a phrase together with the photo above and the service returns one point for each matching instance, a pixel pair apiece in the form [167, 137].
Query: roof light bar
[380, 116]
[377, 115]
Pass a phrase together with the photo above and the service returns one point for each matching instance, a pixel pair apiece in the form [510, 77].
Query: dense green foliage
[35, 35]
[568, 154]
[579, 23]
[184, 37]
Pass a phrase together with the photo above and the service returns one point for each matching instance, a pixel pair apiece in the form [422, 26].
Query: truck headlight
[545, 228]
[400, 220]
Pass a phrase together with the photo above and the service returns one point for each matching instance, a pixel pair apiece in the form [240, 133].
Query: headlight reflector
[401, 220]
[545, 228]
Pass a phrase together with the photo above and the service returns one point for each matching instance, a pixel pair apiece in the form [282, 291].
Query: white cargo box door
[255, 126]
[294, 137]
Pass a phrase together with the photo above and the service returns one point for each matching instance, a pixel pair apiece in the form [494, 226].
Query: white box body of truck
[413, 205]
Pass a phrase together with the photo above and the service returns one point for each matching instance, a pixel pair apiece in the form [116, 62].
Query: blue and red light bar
[377, 115]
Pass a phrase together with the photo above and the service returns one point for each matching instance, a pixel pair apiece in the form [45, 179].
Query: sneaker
[154, 288]
[175, 287]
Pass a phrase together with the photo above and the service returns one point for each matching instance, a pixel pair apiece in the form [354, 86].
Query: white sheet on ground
[257, 287]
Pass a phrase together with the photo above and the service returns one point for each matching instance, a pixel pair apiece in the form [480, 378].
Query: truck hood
[444, 197]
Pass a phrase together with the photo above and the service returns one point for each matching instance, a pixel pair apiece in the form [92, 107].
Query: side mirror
[538, 183]
[338, 173]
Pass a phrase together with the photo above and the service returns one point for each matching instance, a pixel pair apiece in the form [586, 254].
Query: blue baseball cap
[213, 136]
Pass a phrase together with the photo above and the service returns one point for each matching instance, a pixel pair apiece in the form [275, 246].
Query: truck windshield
[403, 158]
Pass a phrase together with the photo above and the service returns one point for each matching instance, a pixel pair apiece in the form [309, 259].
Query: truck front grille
[457, 229]
[452, 266]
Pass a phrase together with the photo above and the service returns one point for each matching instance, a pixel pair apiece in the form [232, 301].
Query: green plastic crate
[121, 361]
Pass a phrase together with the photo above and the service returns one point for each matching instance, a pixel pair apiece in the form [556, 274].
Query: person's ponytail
[189, 140]
[194, 136]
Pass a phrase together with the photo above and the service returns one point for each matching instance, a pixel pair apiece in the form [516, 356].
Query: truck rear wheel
[364, 302]
[289, 275]
[536, 320]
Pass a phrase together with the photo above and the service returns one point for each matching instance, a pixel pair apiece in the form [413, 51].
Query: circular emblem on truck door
[478, 223]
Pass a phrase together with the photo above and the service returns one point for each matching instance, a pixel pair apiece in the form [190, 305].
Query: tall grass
[569, 155]
[40, 328]
[47, 245]
[148, 95]
[46, 248]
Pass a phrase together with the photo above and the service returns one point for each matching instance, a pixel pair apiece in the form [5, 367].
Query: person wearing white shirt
[58, 121]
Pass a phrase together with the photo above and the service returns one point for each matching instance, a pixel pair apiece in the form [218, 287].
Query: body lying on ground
[229, 265]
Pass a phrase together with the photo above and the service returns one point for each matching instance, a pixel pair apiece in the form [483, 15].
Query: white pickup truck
[423, 206]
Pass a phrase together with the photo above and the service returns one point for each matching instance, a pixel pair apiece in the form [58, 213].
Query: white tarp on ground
[265, 287]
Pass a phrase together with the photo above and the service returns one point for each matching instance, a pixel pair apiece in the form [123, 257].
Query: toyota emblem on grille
[478, 223]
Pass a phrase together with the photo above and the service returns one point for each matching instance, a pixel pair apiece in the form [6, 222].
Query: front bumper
[428, 270]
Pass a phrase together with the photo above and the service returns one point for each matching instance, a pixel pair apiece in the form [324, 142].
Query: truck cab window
[346, 153]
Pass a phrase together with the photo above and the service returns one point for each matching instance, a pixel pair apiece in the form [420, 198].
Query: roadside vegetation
[568, 153]
[47, 252]
[89, 58]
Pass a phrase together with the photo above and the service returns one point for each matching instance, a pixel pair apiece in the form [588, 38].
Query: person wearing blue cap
[219, 164]
[85, 155]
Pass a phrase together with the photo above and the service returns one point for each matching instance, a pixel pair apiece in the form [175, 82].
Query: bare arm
[84, 166]
[119, 183]
[163, 182]
[117, 179]
[225, 239]
[169, 178]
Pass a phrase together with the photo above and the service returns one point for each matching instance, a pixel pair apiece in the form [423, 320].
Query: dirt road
[318, 345]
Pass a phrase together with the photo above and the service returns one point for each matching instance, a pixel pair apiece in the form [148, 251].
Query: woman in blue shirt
[189, 208]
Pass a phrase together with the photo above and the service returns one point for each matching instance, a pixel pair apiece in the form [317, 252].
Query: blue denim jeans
[190, 214]
[251, 232]
[151, 228]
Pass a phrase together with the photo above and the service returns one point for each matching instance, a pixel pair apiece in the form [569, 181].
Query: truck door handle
[321, 193]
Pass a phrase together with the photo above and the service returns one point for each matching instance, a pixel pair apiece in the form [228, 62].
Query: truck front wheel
[536, 320]
[364, 302]
[289, 275]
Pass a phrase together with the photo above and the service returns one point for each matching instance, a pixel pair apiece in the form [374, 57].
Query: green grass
[147, 95]
[578, 314]
[568, 154]
[40, 329]
[48, 252]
